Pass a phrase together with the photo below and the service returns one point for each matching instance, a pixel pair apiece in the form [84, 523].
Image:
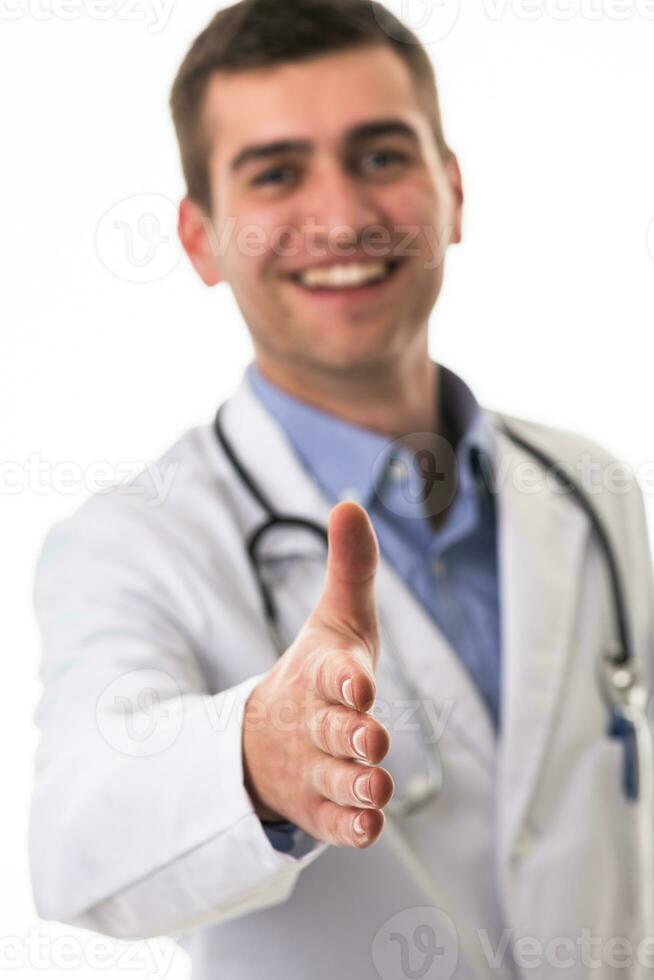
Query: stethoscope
[618, 677]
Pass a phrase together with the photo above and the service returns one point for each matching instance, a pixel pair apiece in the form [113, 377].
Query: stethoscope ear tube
[622, 652]
[618, 678]
[274, 522]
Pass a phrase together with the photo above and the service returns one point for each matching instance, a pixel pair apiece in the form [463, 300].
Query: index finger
[344, 676]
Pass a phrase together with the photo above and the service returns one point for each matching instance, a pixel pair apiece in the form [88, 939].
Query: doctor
[393, 762]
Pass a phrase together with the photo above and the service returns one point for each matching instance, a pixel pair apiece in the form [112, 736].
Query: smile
[344, 276]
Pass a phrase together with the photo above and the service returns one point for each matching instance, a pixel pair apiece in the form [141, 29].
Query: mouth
[351, 280]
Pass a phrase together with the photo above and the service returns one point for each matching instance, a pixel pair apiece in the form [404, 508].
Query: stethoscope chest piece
[626, 698]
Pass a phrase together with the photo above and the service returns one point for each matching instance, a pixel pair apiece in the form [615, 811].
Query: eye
[268, 176]
[391, 157]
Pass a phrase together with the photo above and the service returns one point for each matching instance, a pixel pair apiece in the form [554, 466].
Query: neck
[396, 399]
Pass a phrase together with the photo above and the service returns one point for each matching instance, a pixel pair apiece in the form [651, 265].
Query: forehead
[316, 100]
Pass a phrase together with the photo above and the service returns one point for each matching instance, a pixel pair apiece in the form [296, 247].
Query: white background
[547, 309]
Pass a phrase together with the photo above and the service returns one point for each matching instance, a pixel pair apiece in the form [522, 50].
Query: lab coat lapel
[541, 543]
[434, 667]
[263, 448]
[440, 677]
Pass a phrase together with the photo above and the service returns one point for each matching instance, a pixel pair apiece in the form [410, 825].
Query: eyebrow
[358, 134]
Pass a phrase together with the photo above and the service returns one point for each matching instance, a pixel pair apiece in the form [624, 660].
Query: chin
[358, 354]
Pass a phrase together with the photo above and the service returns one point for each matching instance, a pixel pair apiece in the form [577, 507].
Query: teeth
[344, 275]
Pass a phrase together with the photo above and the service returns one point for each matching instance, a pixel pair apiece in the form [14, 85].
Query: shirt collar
[349, 460]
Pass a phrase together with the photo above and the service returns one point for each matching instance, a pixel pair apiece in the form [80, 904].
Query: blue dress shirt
[451, 569]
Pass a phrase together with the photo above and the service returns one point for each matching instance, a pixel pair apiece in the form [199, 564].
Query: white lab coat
[530, 842]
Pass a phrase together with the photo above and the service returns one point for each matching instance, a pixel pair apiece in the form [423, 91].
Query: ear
[198, 236]
[456, 183]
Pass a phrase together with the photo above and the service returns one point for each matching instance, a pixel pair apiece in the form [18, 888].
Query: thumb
[348, 597]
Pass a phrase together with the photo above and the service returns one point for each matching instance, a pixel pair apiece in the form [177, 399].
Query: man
[240, 814]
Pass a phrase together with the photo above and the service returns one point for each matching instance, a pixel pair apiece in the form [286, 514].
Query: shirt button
[396, 469]
[523, 846]
[350, 493]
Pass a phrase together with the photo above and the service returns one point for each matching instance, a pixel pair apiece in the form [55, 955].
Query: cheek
[416, 204]
[261, 242]
[421, 220]
[244, 245]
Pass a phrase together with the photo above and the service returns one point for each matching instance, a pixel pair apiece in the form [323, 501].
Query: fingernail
[359, 741]
[362, 788]
[357, 825]
[346, 691]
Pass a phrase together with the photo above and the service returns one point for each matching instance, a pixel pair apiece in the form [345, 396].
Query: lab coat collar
[541, 538]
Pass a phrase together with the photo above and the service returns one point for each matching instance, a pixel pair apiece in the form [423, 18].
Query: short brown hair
[261, 33]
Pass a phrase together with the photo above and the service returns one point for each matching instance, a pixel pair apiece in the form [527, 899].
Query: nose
[340, 206]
